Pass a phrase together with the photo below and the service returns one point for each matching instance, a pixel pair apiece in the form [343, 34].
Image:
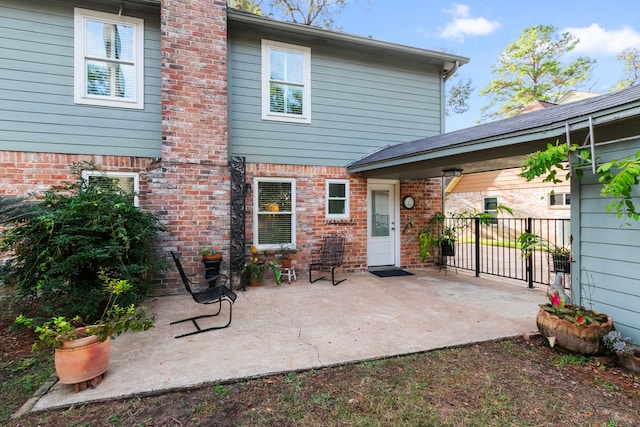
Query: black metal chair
[329, 259]
[211, 295]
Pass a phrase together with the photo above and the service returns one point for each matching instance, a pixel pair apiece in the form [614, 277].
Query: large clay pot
[286, 262]
[583, 339]
[82, 359]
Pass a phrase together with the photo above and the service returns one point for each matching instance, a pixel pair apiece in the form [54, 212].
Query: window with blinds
[274, 212]
[108, 59]
[126, 182]
[286, 82]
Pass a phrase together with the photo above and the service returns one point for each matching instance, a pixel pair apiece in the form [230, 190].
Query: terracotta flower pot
[256, 283]
[583, 339]
[286, 262]
[82, 359]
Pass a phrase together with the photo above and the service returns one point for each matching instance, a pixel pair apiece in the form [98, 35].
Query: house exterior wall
[37, 110]
[358, 103]
[526, 199]
[609, 256]
[178, 143]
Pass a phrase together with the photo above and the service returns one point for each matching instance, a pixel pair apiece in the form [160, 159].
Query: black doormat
[390, 273]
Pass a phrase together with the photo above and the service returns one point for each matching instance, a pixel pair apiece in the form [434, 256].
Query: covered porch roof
[505, 143]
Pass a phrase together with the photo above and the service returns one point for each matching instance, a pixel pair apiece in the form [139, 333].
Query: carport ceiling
[505, 143]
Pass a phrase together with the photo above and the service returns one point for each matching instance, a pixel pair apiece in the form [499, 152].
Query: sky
[481, 30]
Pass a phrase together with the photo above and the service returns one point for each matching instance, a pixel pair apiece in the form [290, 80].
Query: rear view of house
[170, 98]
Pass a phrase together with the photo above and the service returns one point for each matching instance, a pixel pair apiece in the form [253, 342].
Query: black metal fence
[492, 249]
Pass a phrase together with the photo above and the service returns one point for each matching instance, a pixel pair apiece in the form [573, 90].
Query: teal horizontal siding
[37, 112]
[610, 249]
[358, 104]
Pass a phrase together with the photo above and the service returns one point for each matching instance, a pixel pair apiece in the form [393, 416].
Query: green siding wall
[358, 104]
[609, 250]
[37, 112]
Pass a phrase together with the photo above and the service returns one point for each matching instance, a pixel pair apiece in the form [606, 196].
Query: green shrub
[80, 231]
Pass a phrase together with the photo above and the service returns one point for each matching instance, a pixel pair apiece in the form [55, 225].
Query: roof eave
[498, 141]
[234, 15]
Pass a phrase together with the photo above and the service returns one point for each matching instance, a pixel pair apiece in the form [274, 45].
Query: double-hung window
[286, 82]
[337, 198]
[274, 208]
[108, 59]
[126, 182]
[559, 199]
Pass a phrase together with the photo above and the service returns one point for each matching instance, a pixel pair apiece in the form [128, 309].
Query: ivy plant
[618, 176]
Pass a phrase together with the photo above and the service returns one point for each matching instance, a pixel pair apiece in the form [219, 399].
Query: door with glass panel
[381, 245]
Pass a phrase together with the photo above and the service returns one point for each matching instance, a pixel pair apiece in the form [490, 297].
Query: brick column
[189, 186]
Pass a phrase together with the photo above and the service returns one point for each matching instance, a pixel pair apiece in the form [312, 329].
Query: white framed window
[559, 199]
[127, 182]
[274, 203]
[108, 59]
[337, 198]
[490, 206]
[286, 82]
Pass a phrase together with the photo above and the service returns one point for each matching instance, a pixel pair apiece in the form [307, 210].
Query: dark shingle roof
[557, 115]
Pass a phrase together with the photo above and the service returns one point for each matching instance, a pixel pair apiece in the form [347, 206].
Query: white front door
[382, 233]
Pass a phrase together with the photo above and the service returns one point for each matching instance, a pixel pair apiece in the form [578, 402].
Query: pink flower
[580, 320]
[556, 300]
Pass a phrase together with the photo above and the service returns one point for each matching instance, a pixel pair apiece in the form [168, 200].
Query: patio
[304, 326]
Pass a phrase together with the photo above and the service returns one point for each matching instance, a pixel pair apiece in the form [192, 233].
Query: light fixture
[452, 172]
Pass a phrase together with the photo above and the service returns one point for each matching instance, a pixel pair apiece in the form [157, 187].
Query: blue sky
[481, 30]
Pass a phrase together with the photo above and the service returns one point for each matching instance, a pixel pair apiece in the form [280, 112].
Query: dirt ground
[511, 382]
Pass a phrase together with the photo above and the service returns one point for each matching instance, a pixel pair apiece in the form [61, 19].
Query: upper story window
[108, 59]
[337, 200]
[559, 199]
[286, 82]
[127, 182]
[274, 213]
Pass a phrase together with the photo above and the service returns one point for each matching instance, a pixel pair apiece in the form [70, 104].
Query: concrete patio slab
[302, 326]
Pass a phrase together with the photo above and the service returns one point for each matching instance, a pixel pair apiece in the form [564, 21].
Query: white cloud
[594, 39]
[464, 25]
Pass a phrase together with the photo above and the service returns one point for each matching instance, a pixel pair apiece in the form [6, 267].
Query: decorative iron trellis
[238, 190]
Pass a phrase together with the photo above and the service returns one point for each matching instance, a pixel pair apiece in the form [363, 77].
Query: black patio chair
[211, 295]
[329, 258]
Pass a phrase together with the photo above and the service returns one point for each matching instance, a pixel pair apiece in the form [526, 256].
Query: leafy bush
[80, 231]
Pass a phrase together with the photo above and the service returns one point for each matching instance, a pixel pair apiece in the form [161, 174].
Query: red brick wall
[189, 188]
[23, 174]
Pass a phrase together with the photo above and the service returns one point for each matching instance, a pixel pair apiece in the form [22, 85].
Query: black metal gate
[491, 248]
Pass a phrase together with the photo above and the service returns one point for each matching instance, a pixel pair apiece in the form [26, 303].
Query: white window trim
[136, 180]
[80, 75]
[306, 93]
[256, 180]
[346, 197]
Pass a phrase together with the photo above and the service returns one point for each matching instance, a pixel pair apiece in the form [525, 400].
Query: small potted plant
[82, 351]
[628, 353]
[255, 267]
[209, 254]
[285, 253]
[560, 255]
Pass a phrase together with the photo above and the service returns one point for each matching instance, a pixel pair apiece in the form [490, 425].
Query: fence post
[476, 221]
[529, 263]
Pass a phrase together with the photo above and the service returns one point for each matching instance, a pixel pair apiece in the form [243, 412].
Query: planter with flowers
[255, 267]
[82, 352]
[573, 328]
[628, 353]
[211, 259]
